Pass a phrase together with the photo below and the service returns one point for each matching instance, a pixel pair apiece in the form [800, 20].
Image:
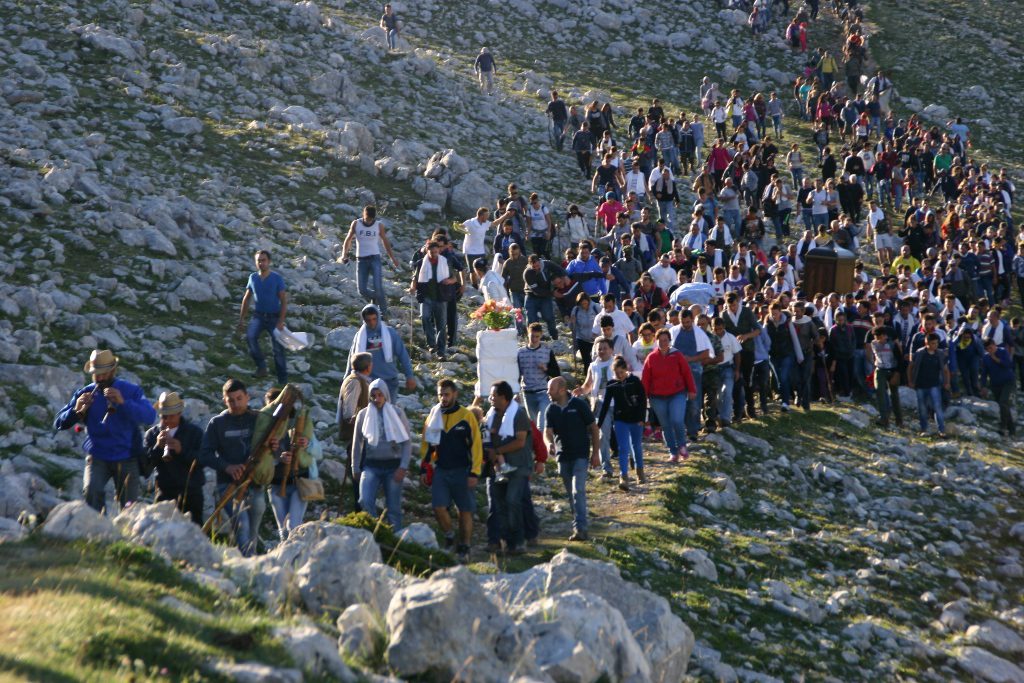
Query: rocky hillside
[149, 148]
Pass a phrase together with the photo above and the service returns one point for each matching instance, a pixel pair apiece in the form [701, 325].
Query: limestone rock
[447, 628]
[420, 534]
[701, 564]
[995, 636]
[985, 666]
[168, 532]
[579, 638]
[75, 520]
[471, 192]
[314, 652]
[664, 638]
[253, 672]
[360, 629]
[11, 531]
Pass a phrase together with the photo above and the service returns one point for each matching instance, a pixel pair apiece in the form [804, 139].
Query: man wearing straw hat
[111, 411]
[173, 448]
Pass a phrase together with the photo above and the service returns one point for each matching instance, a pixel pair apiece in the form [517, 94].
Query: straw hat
[101, 361]
[169, 403]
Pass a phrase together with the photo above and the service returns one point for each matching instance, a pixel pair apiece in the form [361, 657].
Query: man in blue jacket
[385, 344]
[112, 411]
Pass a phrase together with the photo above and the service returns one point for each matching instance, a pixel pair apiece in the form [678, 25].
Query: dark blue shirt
[571, 427]
[266, 292]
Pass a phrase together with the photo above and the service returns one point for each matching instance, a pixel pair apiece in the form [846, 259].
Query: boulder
[420, 534]
[15, 496]
[579, 638]
[183, 125]
[170, 534]
[294, 115]
[665, 639]
[341, 338]
[985, 666]
[100, 38]
[446, 628]
[314, 652]
[323, 589]
[701, 564]
[11, 531]
[75, 520]
[360, 630]
[748, 442]
[994, 635]
[305, 15]
[471, 192]
[191, 289]
[730, 73]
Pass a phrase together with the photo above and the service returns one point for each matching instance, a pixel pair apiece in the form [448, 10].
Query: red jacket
[667, 374]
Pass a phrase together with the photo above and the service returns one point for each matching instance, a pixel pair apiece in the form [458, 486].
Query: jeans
[986, 286]
[930, 398]
[804, 372]
[885, 193]
[761, 381]
[245, 517]
[392, 39]
[558, 135]
[667, 213]
[887, 396]
[783, 369]
[496, 528]
[487, 81]
[736, 121]
[743, 392]
[732, 219]
[969, 375]
[537, 403]
[434, 316]
[798, 177]
[583, 161]
[538, 307]
[860, 372]
[807, 216]
[452, 321]
[258, 324]
[125, 474]
[671, 413]
[777, 125]
[539, 245]
[606, 438]
[629, 440]
[819, 219]
[370, 482]
[574, 478]
[725, 392]
[368, 267]
[505, 504]
[693, 407]
[288, 511]
[1003, 395]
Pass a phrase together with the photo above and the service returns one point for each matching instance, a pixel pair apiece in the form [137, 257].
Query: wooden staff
[293, 469]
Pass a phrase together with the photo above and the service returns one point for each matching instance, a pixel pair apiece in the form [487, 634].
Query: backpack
[540, 449]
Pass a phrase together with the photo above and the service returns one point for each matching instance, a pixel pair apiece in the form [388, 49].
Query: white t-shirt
[818, 199]
[730, 347]
[664, 277]
[875, 216]
[538, 218]
[476, 233]
[623, 325]
[367, 238]
[635, 183]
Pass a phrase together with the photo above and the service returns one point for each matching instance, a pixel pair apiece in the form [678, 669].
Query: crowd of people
[679, 317]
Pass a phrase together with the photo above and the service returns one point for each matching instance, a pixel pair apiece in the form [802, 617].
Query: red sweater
[667, 374]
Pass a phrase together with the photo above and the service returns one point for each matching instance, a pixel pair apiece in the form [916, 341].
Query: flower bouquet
[497, 315]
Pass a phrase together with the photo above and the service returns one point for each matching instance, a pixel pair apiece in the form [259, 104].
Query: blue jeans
[860, 371]
[519, 301]
[808, 218]
[370, 482]
[258, 324]
[667, 213]
[370, 267]
[804, 372]
[783, 369]
[725, 392]
[245, 517]
[777, 125]
[629, 437]
[505, 505]
[537, 403]
[798, 177]
[434, 316]
[732, 219]
[930, 398]
[693, 422]
[496, 528]
[819, 219]
[574, 478]
[736, 121]
[288, 511]
[392, 39]
[538, 307]
[671, 412]
[606, 438]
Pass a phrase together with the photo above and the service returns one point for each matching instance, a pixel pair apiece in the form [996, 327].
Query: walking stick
[293, 469]
[283, 410]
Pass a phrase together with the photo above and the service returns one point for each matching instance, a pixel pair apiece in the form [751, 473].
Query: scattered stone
[74, 520]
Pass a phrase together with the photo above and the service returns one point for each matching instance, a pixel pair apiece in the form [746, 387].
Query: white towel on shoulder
[433, 428]
[507, 429]
[441, 268]
[393, 428]
[359, 342]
